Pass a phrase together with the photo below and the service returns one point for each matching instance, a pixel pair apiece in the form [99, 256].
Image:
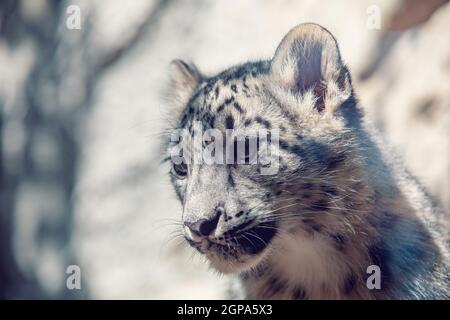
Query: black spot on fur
[349, 283]
[240, 213]
[339, 242]
[229, 100]
[263, 122]
[206, 90]
[247, 122]
[244, 82]
[336, 161]
[216, 92]
[224, 104]
[320, 205]
[229, 122]
[298, 293]
[328, 190]
[238, 107]
[283, 144]
[234, 88]
[291, 117]
[244, 276]
[260, 270]
[276, 285]
[208, 119]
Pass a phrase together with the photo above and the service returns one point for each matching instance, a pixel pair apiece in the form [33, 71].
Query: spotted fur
[340, 201]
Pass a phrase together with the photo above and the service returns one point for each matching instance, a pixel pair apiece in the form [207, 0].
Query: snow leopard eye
[180, 170]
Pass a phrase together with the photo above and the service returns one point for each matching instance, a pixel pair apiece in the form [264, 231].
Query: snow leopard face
[277, 137]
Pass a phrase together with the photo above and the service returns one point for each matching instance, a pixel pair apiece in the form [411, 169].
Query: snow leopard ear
[184, 79]
[308, 59]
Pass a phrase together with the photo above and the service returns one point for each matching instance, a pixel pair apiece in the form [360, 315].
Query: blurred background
[81, 111]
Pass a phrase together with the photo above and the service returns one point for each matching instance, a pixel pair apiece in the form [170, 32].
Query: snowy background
[81, 113]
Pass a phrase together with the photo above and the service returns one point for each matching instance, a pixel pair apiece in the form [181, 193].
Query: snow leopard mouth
[257, 238]
[241, 240]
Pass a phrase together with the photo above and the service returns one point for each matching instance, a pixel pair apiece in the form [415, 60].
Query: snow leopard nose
[204, 227]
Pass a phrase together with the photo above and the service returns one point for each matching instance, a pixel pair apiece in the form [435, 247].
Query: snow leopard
[340, 219]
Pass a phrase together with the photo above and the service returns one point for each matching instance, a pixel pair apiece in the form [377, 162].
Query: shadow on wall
[44, 101]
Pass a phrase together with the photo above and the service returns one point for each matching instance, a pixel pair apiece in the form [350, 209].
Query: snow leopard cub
[339, 204]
